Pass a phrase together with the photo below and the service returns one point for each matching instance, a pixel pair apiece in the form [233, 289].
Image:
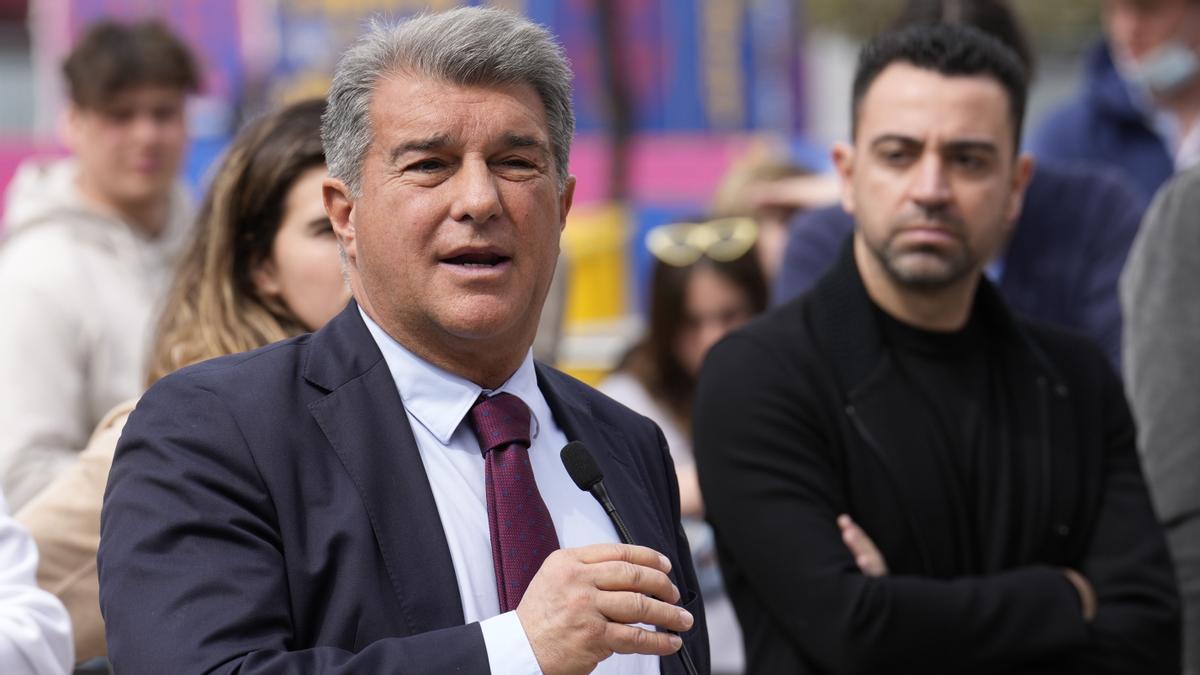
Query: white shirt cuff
[508, 649]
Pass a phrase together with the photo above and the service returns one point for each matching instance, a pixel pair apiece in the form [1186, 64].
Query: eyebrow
[511, 140]
[973, 146]
[958, 145]
[418, 145]
[522, 141]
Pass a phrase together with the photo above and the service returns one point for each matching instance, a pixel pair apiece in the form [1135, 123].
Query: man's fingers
[638, 555]
[628, 607]
[623, 576]
[624, 639]
[868, 558]
[871, 565]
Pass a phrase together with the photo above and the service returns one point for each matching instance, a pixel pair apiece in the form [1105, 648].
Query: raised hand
[576, 610]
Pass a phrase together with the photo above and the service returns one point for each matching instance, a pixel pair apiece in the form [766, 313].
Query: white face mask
[1163, 70]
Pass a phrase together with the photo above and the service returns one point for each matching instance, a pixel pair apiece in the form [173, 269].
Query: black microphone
[582, 468]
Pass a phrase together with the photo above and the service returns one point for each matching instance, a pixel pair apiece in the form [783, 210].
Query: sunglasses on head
[723, 240]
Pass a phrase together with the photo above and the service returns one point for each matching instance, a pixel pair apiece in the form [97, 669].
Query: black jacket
[801, 416]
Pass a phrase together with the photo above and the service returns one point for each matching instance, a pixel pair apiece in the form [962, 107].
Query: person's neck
[943, 309]
[451, 353]
[149, 218]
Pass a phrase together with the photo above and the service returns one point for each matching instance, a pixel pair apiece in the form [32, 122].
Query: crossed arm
[764, 456]
[872, 563]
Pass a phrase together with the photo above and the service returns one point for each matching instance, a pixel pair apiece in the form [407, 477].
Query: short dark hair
[994, 17]
[950, 50]
[112, 57]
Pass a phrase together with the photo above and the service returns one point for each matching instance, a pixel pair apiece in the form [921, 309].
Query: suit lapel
[613, 453]
[364, 421]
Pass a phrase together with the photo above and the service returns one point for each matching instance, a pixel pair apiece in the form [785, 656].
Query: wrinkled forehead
[416, 108]
[905, 100]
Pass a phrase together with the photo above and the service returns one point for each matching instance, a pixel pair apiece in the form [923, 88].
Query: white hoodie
[35, 630]
[78, 293]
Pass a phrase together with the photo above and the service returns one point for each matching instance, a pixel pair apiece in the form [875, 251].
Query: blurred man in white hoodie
[88, 244]
[35, 630]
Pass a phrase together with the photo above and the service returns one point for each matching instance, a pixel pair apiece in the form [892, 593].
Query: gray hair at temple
[469, 46]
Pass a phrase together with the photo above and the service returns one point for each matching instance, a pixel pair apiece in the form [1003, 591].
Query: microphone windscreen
[580, 465]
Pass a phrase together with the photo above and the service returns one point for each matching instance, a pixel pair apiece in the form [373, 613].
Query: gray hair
[469, 46]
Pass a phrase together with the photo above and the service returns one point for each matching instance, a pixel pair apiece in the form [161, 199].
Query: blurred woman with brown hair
[707, 280]
[262, 265]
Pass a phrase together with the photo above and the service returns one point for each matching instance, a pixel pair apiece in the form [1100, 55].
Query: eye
[119, 115]
[165, 114]
[426, 166]
[895, 155]
[972, 162]
[517, 163]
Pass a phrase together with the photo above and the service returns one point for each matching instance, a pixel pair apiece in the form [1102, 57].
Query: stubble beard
[903, 267]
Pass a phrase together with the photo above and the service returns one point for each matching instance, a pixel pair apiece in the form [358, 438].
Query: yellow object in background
[595, 243]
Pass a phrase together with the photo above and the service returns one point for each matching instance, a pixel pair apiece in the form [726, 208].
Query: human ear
[339, 205]
[843, 162]
[567, 197]
[1022, 173]
[70, 127]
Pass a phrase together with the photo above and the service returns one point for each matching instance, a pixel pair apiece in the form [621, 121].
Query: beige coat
[64, 520]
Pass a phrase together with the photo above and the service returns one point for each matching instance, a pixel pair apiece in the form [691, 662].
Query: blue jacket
[268, 512]
[1102, 124]
[1062, 264]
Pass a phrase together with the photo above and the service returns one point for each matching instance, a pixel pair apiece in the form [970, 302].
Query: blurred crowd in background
[705, 196]
[672, 97]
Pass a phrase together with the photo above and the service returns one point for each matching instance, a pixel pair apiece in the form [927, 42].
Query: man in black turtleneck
[903, 476]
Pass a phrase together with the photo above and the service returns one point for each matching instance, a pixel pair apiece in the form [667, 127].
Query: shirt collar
[439, 400]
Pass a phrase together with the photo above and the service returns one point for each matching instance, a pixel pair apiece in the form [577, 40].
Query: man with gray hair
[386, 494]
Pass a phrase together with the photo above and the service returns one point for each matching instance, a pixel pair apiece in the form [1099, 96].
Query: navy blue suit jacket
[1101, 124]
[268, 512]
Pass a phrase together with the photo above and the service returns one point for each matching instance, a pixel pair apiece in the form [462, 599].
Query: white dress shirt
[35, 630]
[437, 403]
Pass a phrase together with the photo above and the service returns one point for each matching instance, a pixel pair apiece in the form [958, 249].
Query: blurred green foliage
[1053, 25]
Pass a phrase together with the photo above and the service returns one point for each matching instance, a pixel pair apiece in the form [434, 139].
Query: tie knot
[500, 421]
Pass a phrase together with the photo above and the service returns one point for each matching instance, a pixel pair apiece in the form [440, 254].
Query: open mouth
[479, 260]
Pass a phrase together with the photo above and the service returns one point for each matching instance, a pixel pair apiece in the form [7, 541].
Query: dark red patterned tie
[522, 531]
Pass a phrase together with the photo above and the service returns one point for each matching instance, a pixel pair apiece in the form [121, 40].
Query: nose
[931, 186]
[476, 197]
[147, 129]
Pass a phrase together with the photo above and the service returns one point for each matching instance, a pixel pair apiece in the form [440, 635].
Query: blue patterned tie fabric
[522, 532]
